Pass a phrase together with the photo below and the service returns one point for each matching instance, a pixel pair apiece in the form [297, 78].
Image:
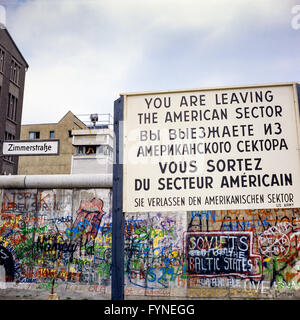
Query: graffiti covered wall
[55, 233]
[66, 234]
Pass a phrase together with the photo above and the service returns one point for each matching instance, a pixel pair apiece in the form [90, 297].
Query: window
[86, 150]
[105, 150]
[90, 149]
[108, 151]
[9, 136]
[100, 150]
[51, 134]
[70, 134]
[2, 54]
[12, 107]
[80, 150]
[15, 71]
[34, 134]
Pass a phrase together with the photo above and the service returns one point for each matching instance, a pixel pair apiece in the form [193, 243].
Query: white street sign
[31, 147]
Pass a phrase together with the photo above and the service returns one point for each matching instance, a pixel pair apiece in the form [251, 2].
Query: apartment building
[13, 68]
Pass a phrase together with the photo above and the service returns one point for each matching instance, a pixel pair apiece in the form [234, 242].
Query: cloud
[83, 53]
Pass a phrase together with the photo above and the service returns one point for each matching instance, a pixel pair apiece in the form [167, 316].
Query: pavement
[72, 291]
[23, 291]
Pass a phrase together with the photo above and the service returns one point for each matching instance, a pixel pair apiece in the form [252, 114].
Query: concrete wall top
[57, 181]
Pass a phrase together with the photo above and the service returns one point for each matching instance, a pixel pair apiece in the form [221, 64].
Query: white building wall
[92, 163]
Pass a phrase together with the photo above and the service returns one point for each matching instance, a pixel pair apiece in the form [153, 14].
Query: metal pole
[117, 279]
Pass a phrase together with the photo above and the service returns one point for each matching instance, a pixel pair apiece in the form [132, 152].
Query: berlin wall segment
[42, 233]
[240, 253]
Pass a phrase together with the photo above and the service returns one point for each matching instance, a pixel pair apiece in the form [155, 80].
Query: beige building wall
[60, 164]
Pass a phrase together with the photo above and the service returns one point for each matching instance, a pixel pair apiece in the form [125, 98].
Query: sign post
[117, 279]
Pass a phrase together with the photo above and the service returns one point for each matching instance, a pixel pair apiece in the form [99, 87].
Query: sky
[83, 53]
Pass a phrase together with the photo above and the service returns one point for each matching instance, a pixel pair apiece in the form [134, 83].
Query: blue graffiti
[205, 213]
[81, 226]
[244, 224]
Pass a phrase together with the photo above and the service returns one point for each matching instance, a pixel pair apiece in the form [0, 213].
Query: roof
[73, 115]
[12, 40]
[68, 113]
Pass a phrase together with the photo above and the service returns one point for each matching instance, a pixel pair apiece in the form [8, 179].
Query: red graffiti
[93, 213]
